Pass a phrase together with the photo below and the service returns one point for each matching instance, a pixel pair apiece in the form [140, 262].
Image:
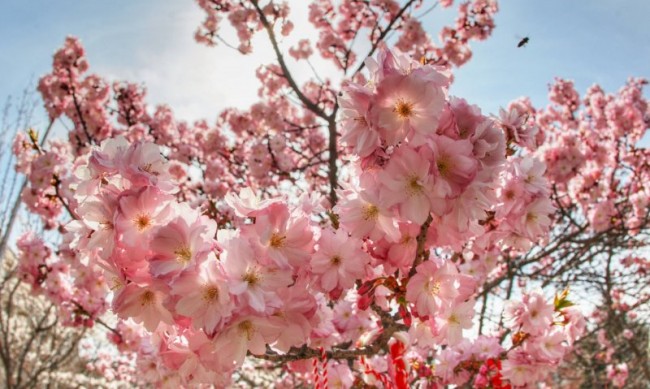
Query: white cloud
[199, 81]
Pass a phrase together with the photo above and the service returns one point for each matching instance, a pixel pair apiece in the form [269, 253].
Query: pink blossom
[249, 280]
[286, 240]
[140, 213]
[142, 304]
[246, 203]
[408, 184]
[536, 219]
[364, 214]
[358, 132]
[432, 287]
[339, 261]
[617, 374]
[532, 315]
[453, 320]
[550, 345]
[248, 333]
[520, 372]
[203, 296]
[297, 316]
[339, 375]
[402, 253]
[406, 106]
[182, 243]
[454, 166]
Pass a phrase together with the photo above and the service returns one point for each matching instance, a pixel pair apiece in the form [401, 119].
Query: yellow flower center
[247, 328]
[434, 288]
[116, 283]
[183, 254]
[370, 212]
[210, 293]
[531, 217]
[147, 298]
[142, 222]
[413, 186]
[277, 240]
[251, 277]
[403, 109]
[443, 167]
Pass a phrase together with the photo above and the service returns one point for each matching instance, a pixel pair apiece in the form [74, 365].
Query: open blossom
[247, 203]
[186, 354]
[43, 169]
[517, 127]
[407, 106]
[489, 144]
[617, 374]
[463, 119]
[454, 319]
[357, 130]
[532, 315]
[34, 255]
[339, 376]
[181, 244]
[105, 160]
[531, 171]
[432, 287]
[253, 283]
[364, 213]
[575, 324]
[408, 184]
[216, 273]
[144, 165]
[519, 370]
[297, 316]
[142, 304]
[401, 254]
[203, 296]
[536, 218]
[550, 345]
[248, 333]
[339, 261]
[454, 166]
[140, 213]
[601, 215]
[99, 213]
[287, 240]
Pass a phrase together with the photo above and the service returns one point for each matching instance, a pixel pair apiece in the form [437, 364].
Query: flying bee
[523, 42]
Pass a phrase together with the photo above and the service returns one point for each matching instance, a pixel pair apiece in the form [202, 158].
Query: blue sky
[150, 42]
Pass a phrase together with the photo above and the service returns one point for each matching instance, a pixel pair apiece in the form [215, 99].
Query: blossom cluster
[266, 243]
[431, 172]
[339, 23]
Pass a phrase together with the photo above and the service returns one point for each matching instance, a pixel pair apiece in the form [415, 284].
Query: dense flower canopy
[341, 235]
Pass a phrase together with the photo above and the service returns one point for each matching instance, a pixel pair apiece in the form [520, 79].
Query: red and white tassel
[314, 365]
[380, 377]
[323, 357]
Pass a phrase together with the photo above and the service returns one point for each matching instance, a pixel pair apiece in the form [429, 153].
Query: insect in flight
[523, 42]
